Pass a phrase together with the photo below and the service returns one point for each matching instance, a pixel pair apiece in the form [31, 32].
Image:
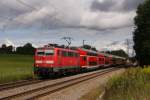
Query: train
[50, 60]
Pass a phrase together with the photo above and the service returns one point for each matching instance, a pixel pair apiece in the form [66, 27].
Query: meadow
[133, 84]
[15, 67]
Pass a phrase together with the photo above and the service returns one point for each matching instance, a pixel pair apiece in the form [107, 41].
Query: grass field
[15, 67]
[134, 84]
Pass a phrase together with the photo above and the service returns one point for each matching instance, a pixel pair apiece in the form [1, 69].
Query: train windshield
[45, 52]
[49, 52]
[40, 53]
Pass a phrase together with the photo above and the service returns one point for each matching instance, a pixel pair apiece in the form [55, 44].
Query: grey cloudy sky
[99, 22]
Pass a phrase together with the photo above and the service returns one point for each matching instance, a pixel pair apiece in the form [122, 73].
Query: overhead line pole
[68, 40]
[83, 42]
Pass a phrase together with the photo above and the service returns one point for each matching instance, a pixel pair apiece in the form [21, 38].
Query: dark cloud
[9, 9]
[35, 14]
[129, 5]
[115, 5]
[102, 6]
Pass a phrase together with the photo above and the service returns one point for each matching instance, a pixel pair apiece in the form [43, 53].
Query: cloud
[104, 5]
[107, 46]
[106, 20]
[129, 5]
[115, 5]
[113, 43]
[9, 42]
[100, 22]
[35, 14]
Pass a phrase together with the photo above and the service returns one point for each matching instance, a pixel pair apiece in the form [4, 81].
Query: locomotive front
[44, 61]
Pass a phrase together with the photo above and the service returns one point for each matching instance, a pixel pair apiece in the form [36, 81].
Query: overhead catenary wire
[68, 40]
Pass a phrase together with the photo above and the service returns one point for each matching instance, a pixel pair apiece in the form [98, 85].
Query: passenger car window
[64, 53]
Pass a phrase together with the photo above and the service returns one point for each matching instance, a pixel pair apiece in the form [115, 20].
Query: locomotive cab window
[40, 53]
[49, 52]
[45, 52]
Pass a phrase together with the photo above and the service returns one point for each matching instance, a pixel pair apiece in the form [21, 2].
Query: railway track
[37, 90]
[12, 85]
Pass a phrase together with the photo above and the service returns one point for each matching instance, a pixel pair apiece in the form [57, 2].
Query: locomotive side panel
[49, 61]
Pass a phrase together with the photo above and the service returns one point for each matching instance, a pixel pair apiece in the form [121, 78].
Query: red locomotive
[55, 60]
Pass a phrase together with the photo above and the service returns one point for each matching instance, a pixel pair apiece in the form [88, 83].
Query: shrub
[133, 84]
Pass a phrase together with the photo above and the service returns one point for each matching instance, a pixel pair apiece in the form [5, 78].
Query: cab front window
[45, 52]
[49, 52]
[40, 53]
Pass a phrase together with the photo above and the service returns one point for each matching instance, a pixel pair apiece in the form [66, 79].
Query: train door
[83, 61]
[59, 58]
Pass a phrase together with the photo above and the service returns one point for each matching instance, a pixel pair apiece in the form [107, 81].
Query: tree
[120, 53]
[4, 46]
[6, 49]
[86, 46]
[142, 34]
[9, 49]
[27, 49]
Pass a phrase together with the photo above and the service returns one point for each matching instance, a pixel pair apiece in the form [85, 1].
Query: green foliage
[142, 33]
[134, 84]
[27, 49]
[89, 47]
[6, 49]
[15, 67]
[120, 53]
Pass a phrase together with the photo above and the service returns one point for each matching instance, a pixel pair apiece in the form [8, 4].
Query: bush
[133, 84]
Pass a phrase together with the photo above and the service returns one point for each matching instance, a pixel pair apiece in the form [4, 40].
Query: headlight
[38, 61]
[49, 62]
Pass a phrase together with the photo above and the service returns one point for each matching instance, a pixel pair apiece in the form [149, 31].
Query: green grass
[15, 67]
[134, 84]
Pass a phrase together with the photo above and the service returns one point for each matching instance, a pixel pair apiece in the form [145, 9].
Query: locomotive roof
[87, 50]
[50, 47]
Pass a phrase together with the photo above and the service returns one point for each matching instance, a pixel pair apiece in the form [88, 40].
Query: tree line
[120, 53]
[141, 35]
[27, 49]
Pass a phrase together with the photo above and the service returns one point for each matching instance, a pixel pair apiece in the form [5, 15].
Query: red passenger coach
[88, 58]
[51, 60]
[101, 60]
[108, 60]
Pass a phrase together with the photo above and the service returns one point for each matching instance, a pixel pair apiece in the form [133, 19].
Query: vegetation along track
[45, 89]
